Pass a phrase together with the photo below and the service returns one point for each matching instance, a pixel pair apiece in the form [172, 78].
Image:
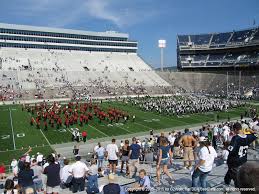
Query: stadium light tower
[162, 45]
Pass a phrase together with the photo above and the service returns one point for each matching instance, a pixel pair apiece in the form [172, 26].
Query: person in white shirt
[112, 152]
[225, 133]
[171, 138]
[28, 158]
[64, 174]
[14, 166]
[39, 158]
[207, 154]
[78, 171]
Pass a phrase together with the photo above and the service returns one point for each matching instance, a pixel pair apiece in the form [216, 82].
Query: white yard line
[11, 120]
[124, 129]
[143, 125]
[45, 137]
[99, 131]
[70, 130]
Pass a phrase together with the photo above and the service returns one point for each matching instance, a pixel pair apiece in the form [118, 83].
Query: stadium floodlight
[162, 45]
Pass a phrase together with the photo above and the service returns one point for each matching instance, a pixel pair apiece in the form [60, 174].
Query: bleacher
[30, 69]
[218, 50]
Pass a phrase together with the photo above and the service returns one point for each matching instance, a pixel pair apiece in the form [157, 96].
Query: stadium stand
[37, 60]
[218, 50]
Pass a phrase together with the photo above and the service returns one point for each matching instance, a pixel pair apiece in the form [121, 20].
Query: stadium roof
[60, 30]
[204, 33]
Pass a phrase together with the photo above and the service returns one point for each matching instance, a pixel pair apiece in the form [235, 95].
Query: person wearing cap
[112, 187]
[238, 152]
[206, 155]
[79, 171]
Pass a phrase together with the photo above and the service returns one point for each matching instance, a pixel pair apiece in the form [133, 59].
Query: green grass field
[16, 133]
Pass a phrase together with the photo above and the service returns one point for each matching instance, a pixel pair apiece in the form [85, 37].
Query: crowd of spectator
[200, 150]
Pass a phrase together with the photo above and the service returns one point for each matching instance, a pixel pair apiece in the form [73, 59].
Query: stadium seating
[35, 69]
[228, 49]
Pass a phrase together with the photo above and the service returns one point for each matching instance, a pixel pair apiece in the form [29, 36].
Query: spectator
[188, 142]
[78, 171]
[215, 136]
[14, 165]
[9, 187]
[159, 139]
[92, 178]
[84, 135]
[143, 186]
[25, 177]
[76, 150]
[125, 156]
[225, 152]
[164, 156]
[111, 187]
[177, 148]
[2, 171]
[100, 152]
[171, 139]
[37, 170]
[53, 178]
[238, 152]
[247, 177]
[134, 154]
[207, 154]
[39, 158]
[65, 175]
[112, 155]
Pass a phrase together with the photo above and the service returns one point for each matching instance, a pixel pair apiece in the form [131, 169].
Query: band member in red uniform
[84, 135]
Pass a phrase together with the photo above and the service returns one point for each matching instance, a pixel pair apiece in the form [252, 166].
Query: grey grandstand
[38, 61]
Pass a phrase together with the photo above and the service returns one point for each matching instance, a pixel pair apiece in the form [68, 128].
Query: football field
[17, 135]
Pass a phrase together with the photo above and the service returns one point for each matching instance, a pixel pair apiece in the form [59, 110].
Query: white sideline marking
[99, 131]
[11, 120]
[45, 137]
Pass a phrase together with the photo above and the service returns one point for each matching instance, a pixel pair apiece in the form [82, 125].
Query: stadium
[63, 91]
